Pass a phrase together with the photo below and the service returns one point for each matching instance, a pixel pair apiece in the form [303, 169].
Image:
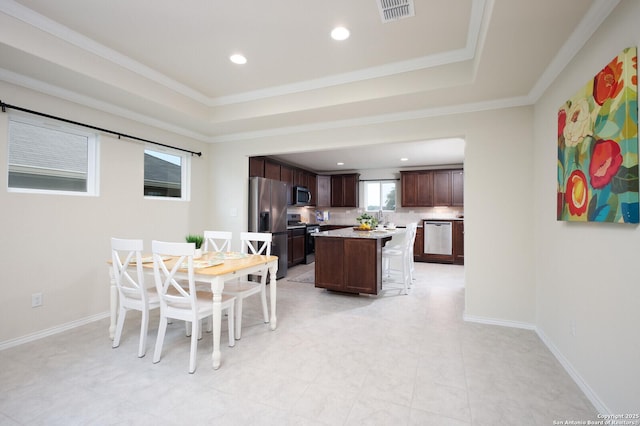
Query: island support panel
[350, 265]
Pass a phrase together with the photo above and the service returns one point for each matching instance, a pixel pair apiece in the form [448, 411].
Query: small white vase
[197, 254]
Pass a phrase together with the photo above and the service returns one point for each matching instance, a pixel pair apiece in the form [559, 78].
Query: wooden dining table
[234, 265]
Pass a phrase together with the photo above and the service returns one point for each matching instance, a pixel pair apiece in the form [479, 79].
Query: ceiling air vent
[392, 10]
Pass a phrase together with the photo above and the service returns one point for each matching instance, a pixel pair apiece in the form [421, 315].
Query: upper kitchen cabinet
[256, 167]
[300, 178]
[429, 188]
[457, 188]
[323, 192]
[442, 188]
[417, 188]
[286, 175]
[271, 170]
[344, 190]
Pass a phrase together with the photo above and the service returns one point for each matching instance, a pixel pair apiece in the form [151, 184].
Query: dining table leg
[273, 289]
[217, 285]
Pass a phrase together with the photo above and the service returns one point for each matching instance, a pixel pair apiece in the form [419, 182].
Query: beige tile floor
[333, 360]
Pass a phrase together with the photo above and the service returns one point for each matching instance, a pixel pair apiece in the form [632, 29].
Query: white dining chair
[218, 241]
[132, 292]
[251, 243]
[180, 301]
[402, 257]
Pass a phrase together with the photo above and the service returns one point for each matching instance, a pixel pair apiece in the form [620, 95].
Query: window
[165, 174]
[380, 195]
[49, 156]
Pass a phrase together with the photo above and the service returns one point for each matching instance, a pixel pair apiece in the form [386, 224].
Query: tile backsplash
[402, 216]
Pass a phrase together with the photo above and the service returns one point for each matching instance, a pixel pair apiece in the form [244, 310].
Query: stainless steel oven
[310, 243]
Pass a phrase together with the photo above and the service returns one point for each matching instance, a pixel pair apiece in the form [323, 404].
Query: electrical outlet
[36, 300]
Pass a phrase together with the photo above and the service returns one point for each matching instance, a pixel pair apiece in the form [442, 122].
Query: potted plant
[367, 222]
[197, 240]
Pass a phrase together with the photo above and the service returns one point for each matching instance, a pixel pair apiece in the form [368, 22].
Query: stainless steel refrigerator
[268, 213]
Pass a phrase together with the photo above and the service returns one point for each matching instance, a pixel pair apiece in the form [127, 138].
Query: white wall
[588, 273]
[58, 245]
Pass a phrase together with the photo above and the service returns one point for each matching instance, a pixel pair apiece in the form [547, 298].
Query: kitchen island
[350, 261]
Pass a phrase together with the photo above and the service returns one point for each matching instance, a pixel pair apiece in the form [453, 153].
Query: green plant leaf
[196, 239]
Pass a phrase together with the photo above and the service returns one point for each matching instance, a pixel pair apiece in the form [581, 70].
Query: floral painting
[598, 146]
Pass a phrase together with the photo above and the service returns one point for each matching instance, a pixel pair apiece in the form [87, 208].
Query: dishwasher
[438, 237]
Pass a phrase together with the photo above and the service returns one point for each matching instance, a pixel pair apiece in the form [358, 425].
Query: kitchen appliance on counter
[294, 220]
[438, 237]
[268, 213]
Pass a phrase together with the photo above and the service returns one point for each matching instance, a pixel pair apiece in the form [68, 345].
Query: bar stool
[402, 253]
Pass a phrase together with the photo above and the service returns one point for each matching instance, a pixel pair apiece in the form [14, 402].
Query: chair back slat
[173, 291]
[125, 254]
[256, 243]
[218, 241]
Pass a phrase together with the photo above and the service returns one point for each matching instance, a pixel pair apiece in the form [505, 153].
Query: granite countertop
[352, 233]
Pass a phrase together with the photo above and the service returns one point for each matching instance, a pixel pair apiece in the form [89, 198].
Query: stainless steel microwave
[301, 196]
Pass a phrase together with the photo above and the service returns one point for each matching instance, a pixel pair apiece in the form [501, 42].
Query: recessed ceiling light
[340, 33]
[404, 159]
[340, 164]
[238, 59]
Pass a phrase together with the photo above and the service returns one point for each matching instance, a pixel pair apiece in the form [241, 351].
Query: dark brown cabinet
[323, 193]
[457, 188]
[442, 188]
[458, 242]
[417, 189]
[299, 178]
[271, 170]
[351, 265]
[295, 246]
[429, 188]
[286, 175]
[418, 245]
[256, 167]
[344, 190]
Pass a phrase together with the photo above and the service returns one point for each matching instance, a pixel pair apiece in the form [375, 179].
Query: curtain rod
[120, 135]
[378, 180]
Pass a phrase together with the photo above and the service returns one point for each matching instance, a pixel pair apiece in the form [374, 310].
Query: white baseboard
[582, 384]
[577, 378]
[51, 331]
[493, 321]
